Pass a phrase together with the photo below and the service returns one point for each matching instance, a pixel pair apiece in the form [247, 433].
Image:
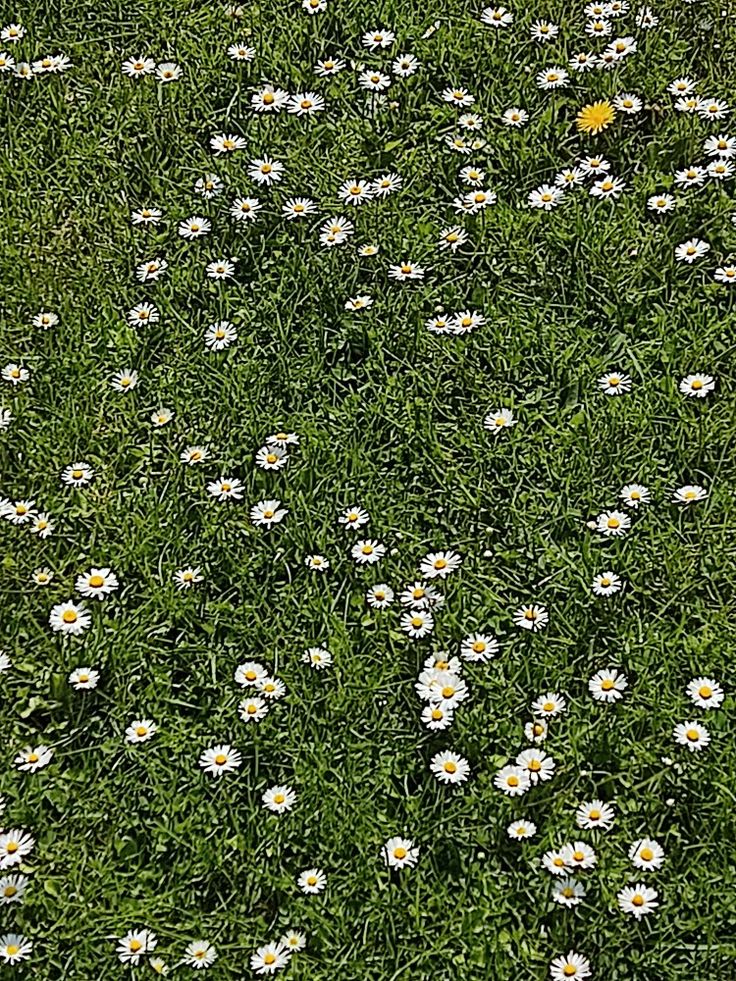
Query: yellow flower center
[220, 759]
[95, 581]
[705, 691]
[141, 731]
[450, 767]
[646, 854]
[693, 735]
[69, 616]
[399, 853]
[607, 684]
[512, 781]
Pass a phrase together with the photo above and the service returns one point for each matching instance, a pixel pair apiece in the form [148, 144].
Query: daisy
[220, 335]
[615, 383]
[312, 881]
[579, 855]
[317, 657]
[545, 197]
[210, 185]
[720, 146]
[329, 66]
[269, 99]
[725, 274]
[400, 853]
[440, 564]
[142, 315]
[614, 523]
[296, 208]
[458, 97]
[359, 302]
[661, 203]
[607, 187]
[583, 61]
[681, 86]
[271, 687]
[195, 227]
[405, 65]
[417, 623]
[222, 143]
[378, 39]
[84, 679]
[519, 830]
[689, 494]
[317, 563]
[634, 495]
[14, 947]
[241, 52]
[705, 693]
[692, 735]
[555, 862]
[151, 270]
[267, 513]
[697, 386]
[15, 374]
[186, 578]
[479, 647]
[12, 888]
[135, 945]
[305, 103]
[691, 250]
[608, 686]
[594, 814]
[168, 71]
[279, 799]
[536, 731]
[512, 780]
[140, 731]
[570, 965]
[497, 17]
[628, 103]
[354, 517]
[646, 854]
[226, 489]
[690, 176]
[199, 954]
[32, 759]
[569, 177]
[532, 617]
[271, 457]
[552, 78]
[69, 618]
[713, 109]
[499, 419]
[606, 584]
[97, 582]
[437, 716]
[146, 216]
[269, 959]
[637, 900]
[368, 551]
[720, 170]
[374, 81]
[466, 321]
[220, 759]
[250, 673]
[380, 597]
[386, 184]
[449, 767]
[253, 709]
[406, 270]
[293, 940]
[138, 67]
[568, 892]
[15, 844]
[539, 766]
[549, 705]
[265, 170]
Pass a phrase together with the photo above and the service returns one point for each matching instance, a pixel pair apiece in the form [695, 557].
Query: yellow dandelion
[595, 117]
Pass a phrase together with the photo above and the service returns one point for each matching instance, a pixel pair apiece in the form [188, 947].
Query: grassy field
[389, 415]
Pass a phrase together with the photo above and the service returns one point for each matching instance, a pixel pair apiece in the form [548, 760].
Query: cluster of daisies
[14, 35]
[137, 947]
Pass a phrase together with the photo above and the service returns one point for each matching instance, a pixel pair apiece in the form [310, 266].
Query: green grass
[390, 417]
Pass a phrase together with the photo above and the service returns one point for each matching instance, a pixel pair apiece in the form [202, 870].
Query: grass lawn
[286, 267]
